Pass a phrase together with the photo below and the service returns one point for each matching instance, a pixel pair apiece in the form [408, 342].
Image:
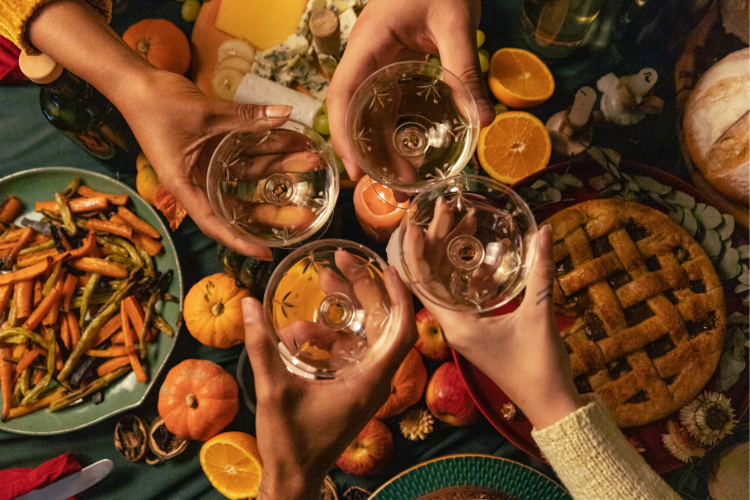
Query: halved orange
[519, 79]
[515, 145]
[232, 463]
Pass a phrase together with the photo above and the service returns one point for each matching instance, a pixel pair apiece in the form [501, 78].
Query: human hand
[178, 127]
[389, 31]
[304, 425]
[522, 352]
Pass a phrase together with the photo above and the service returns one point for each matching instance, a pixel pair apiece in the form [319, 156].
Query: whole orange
[161, 43]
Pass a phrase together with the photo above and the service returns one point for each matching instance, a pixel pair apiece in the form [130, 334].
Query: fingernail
[278, 110]
[248, 311]
[545, 237]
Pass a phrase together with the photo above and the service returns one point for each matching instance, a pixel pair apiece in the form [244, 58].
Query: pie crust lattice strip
[649, 307]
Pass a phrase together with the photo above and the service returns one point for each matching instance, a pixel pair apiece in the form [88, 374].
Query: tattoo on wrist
[544, 295]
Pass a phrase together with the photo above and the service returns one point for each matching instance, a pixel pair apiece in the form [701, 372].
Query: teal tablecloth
[28, 141]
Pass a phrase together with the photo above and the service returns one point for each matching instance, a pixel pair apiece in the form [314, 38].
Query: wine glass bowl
[469, 244]
[327, 309]
[273, 181]
[411, 124]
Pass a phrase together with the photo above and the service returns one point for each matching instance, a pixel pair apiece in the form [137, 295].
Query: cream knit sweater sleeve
[14, 14]
[594, 460]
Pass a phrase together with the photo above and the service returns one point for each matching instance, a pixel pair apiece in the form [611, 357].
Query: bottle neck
[68, 84]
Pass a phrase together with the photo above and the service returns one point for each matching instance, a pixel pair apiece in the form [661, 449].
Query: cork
[40, 69]
[324, 26]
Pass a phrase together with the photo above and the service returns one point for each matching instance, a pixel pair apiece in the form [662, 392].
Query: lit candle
[377, 210]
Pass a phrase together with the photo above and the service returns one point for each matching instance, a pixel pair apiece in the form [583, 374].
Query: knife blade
[72, 484]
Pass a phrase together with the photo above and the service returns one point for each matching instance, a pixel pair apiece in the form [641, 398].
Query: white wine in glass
[328, 310]
[273, 182]
[469, 244]
[411, 124]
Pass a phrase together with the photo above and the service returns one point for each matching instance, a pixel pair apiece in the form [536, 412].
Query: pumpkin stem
[217, 309]
[191, 400]
[142, 46]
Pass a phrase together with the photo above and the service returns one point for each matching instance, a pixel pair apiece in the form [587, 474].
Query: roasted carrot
[20, 411]
[107, 226]
[24, 240]
[100, 266]
[41, 310]
[77, 205]
[135, 363]
[110, 328]
[23, 294]
[32, 258]
[38, 239]
[150, 245]
[135, 313]
[112, 364]
[137, 223]
[6, 379]
[64, 331]
[13, 234]
[69, 288]
[5, 293]
[26, 360]
[26, 273]
[74, 329]
[115, 199]
[38, 295]
[111, 352]
[9, 209]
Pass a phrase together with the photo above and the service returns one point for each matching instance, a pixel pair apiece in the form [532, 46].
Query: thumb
[263, 356]
[459, 55]
[539, 286]
[236, 114]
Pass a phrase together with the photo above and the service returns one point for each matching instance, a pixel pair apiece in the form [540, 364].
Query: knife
[72, 484]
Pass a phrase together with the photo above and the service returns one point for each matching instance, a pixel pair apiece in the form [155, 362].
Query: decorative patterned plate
[487, 471]
[491, 399]
[41, 184]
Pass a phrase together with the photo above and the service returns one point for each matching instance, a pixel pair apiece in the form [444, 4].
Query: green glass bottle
[82, 113]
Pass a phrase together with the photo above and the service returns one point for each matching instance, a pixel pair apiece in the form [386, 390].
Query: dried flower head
[680, 443]
[708, 418]
[510, 411]
[416, 423]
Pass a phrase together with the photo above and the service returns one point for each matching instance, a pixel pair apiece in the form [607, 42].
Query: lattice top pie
[649, 307]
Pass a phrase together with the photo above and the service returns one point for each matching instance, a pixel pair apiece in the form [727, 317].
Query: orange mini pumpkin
[213, 311]
[198, 399]
[407, 386]
[161, 43]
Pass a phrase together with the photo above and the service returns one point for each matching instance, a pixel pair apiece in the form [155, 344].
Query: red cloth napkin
[22, 480]
[10, 73]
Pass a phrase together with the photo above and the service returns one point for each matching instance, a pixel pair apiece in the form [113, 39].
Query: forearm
[76, 36]
[593, 459]
[286, 485]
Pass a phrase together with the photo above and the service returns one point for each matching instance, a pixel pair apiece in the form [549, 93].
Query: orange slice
[232, 463]
[519, 79]
[515, 145]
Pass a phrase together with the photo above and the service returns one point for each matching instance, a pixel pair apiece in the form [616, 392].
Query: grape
[480, 38]
[321, 124]
[485, 52]
[483, 61]
[190, 10]
[434, 60]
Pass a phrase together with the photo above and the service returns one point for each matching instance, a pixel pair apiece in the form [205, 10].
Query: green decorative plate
[486, 471]
[40, 184]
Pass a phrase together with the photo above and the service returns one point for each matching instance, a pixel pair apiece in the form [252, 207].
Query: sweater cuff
[14, 22]
[594, 460]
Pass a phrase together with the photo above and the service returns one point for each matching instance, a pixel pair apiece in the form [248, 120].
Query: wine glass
[469, 244]
[411, 124]
[327, 309]
[273, 181]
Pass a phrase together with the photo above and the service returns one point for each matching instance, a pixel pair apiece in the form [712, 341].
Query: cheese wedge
[263, 23]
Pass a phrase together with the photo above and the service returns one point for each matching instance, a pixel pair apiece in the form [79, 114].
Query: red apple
[448, 398]
[431, 342]
[369, 452]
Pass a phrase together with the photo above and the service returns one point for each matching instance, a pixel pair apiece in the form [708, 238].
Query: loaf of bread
[717, 126]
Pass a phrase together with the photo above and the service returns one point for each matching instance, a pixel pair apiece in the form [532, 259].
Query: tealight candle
[377, 210]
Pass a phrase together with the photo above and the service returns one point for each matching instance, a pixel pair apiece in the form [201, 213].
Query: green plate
[40, 184]
[487, 471]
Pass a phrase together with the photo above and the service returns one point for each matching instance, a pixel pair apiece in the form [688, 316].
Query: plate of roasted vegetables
[90, 299]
